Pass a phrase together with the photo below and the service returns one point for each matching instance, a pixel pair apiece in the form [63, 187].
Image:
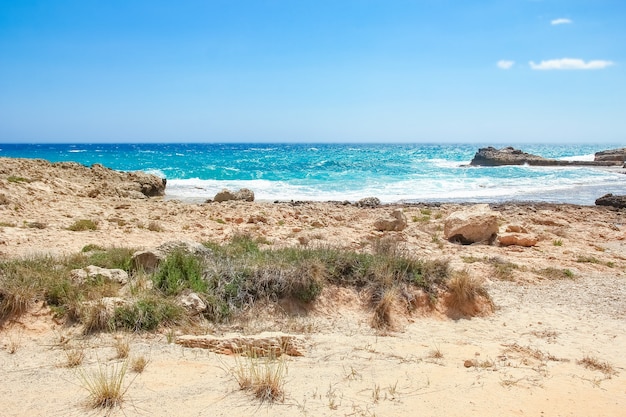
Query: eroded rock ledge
[75, 179]
[491, 156]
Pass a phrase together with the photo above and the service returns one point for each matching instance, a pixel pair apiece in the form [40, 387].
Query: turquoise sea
[321, 172]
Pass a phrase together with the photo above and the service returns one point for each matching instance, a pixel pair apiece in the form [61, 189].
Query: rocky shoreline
[491, 156]
[554, 272]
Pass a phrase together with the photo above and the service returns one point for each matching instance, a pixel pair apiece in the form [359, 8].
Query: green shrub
[147, 314]
[180, 271]
[82, 225]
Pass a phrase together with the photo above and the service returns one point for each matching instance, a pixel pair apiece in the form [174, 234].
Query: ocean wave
[588, 157]
[452, 188]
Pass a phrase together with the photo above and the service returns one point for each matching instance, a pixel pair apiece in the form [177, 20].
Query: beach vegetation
[588, 259]
[83, 225]
[593, 363]
[74, 357]
[147, 314]
[557, 242]
[16, 180]
[264, 377]
[464, 289]
[178, 272]
[105, 384]
[155, 226]
[502, 269]
[138, 364]
[555, 273]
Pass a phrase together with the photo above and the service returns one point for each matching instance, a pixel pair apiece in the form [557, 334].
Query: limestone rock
[146, 260]
[612, 155]
[516, 228]
[517, 239]
[224, 195]
[617, 201]
[368, 202]
[477, 223]
[491, 156]
[265, 344]
[243, 194]
[79, 276]
[397, 222]
[149, 260]
[192, 302]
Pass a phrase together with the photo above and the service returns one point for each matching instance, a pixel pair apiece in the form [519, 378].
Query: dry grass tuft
[96, 317]
[138, 365]
[122, 347]
[464, 290]
[74, 357]
[105, 384]
[595, 364]
[264, 377]
[383, 317]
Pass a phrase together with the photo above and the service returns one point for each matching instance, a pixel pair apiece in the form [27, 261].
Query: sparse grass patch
[122, 347]
[82, 225]
[588, 259]
[74, 357]
[555, 273]
[464, 289]
[154, 226]
[502, 269]
[105, 384]
[593, 363]
[91, 248]
[138, 364]
[384, 302]
[16, 180]
[557, 242]
[264, 377]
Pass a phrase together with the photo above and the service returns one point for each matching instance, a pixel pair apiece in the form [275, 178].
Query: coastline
[524, 358]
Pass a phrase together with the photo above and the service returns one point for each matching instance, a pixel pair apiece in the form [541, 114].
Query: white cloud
[561, 21]
[504, 64]
[570, 64]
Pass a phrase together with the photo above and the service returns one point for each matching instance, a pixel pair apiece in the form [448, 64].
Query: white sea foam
[589, 157]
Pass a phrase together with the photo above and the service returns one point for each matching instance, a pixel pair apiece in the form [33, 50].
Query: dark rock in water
[506, 156]
[510, 156]
[617, 201]
[612, 155]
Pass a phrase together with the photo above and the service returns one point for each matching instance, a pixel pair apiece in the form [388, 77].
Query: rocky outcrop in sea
[491, 156]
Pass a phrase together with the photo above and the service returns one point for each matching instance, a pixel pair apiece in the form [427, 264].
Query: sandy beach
[534, 355]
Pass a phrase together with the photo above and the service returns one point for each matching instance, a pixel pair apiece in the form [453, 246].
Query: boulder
[396, 222]
[192, 302]
[475, 224]
[79, 276]
[517, 239]
[243, 194]
[149, 260]
[224, 195]
[617, 201]
[611, 155]
[368, 202]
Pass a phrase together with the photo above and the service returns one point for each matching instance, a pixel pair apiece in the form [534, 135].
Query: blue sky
[491, 71]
